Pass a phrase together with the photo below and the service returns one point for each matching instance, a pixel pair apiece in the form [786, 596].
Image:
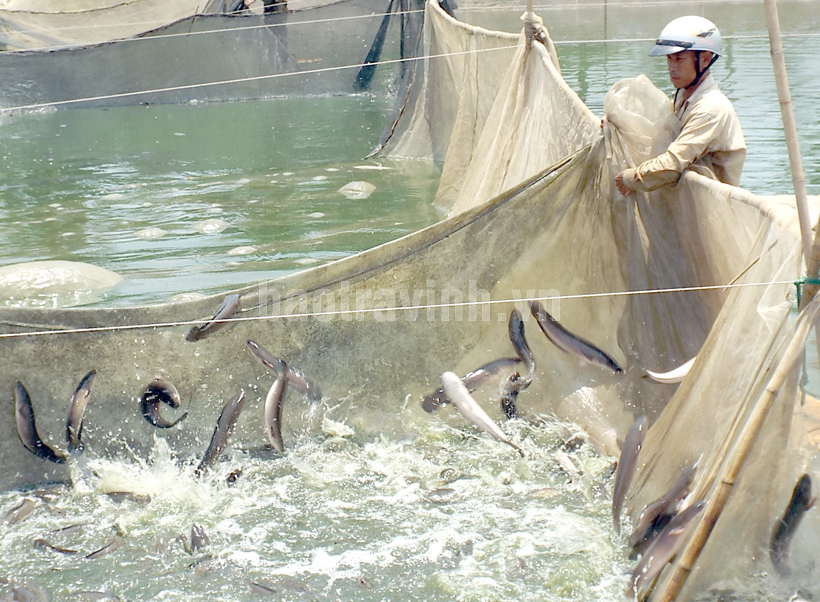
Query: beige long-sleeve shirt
[710, 142]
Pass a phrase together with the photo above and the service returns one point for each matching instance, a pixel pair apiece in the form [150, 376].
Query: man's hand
[619, 184]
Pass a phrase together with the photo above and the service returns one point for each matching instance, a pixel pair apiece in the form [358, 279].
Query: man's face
[681, 67]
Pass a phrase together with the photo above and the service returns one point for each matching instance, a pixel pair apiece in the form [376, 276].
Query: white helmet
[688, 33]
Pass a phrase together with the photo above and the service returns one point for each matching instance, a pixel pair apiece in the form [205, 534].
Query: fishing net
[700, 269]
[346, 47]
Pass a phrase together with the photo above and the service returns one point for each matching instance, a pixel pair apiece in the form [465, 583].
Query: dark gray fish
[112, 546]
[626, 466]
[472, 380]
[657, 514]
[295, 377]
[119, 497]
[517, 382]
[235, 474]
[663, 549]
[199, 539]
[156, 392]
[519, 341]
[224, 429]
[42, 544]
[69, 530]
[20, 512]
[567, 342]
[76, 411]
[273, 412]
[29, 592]
[223, 315]
[800, 503]
[26, 429]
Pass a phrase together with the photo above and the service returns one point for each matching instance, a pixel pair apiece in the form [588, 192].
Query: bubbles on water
[150, 233]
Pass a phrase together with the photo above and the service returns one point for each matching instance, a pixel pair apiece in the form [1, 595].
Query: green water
[78, 185]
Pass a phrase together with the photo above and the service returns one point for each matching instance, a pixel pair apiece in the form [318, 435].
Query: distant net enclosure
[701, 270]
[80, 59]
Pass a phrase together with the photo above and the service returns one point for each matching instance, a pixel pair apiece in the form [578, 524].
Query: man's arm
[698, 132]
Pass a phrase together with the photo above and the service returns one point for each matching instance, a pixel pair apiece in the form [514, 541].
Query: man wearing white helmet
[710, 141]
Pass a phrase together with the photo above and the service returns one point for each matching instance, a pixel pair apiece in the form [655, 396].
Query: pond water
[447, 514]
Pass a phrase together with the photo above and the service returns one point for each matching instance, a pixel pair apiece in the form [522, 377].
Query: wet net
[170, 53]
[700, 270]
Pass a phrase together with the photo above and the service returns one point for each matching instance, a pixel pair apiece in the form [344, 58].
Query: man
[710, 141]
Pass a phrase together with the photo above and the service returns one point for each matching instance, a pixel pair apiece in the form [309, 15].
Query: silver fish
[626, 466]
[76, 411]
[279, 367]
[472, 380]
[112, 546]
[800, 503]
[26, 429]
[273, 412]
[29, 592]
[224, 429]
[459, 395]
[663, 549]
[20, 512]
[657, 514]
[223, 315]
[673, 376]
[156, 392]
[570, 343]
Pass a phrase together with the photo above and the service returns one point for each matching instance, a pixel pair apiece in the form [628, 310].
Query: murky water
[443, 514]
[448, 514]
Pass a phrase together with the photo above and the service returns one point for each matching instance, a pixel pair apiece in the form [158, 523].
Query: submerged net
[702, 269]
[344, 47]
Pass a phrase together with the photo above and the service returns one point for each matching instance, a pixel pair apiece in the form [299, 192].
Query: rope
[394, 309]
[142, 37]
[322, 70]
[239, 80]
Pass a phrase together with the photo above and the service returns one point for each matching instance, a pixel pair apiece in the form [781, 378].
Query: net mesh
[543, 220]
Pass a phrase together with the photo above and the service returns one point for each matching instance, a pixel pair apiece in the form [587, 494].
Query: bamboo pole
[790, 130]
[740, 452]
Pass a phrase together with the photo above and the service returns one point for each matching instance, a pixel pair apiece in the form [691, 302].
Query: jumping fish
[224, 429]
[273, 411]
[26, 429]
[156, 392]
[472, 380]
[199, 539]
[76, 411]
[663, 549]
[800, 503]
[567, 342]
[228, 308]
[517, 382]
[458, 393]
[657, 514]
[626, 466]
[672, 377]
[295, 377]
